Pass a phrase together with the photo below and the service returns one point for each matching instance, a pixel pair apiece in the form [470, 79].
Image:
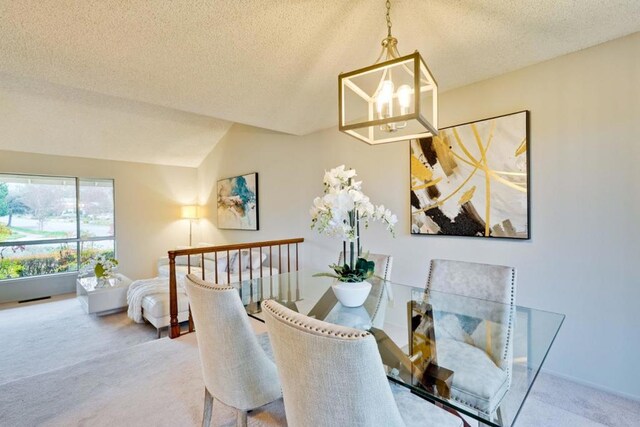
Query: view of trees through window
[45, 222]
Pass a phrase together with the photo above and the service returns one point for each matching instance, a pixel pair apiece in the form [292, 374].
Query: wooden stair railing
[174, 327]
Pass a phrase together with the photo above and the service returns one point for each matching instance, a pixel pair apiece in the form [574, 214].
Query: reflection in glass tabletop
[478, 357]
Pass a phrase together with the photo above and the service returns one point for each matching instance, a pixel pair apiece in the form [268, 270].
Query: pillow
[184, 259]
[210, 255]
[236, 261]
[210, 260]
[211, 267]
[257, 260]
[220, 257]
[243, 260]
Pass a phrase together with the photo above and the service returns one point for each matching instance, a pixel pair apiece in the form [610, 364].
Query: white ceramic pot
[351, 294]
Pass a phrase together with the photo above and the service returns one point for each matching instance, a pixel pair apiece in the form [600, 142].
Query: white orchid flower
[335, 213]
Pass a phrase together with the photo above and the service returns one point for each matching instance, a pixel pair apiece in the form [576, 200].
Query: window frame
[78, 240]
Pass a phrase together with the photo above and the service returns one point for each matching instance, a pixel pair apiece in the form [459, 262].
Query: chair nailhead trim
[201, 283]
[429, 276]
[386, 278]
[511, 312]
[304, 325]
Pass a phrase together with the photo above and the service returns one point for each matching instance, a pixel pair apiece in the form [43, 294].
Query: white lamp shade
[190, 212]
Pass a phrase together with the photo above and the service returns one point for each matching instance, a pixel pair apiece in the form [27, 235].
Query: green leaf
[334, 276]
[99, 270]
[362, 271]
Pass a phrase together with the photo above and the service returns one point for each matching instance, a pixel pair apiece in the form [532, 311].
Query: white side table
[103, 300]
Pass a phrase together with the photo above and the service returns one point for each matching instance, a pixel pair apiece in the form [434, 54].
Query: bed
[150, 299]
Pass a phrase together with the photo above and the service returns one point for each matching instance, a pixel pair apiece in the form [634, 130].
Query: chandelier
[394, 99]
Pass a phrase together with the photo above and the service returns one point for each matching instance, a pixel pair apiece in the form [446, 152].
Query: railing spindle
[228, 268]
[261, 262]
[215, 259]
[270, 261]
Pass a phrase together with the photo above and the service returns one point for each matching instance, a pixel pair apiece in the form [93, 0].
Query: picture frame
[473, 180]
[237, 203]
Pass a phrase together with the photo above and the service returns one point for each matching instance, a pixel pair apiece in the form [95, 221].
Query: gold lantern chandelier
[394, 99]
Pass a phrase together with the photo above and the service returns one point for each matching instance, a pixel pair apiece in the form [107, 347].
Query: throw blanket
[141, 288]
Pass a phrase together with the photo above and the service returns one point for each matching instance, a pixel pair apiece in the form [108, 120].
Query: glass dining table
[470, 356]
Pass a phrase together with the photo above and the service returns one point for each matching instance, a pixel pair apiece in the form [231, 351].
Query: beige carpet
[40, 336]
[158, 383]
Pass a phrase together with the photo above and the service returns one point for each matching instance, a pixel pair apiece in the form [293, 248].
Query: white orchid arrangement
[343, 205]
[340, 212]
[102, 266]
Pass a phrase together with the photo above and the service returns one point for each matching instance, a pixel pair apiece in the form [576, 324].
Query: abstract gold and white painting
[472, 179]
[238, 202]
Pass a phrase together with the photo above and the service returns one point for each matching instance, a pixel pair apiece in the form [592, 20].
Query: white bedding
[141, 288]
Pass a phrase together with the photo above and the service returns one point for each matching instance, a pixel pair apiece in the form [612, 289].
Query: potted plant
[103, 269]
[341, 212]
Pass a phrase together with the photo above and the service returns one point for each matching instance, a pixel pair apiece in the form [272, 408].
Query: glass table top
[478, 357]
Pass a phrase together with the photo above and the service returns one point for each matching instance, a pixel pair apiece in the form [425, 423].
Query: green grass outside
[39, 233]
[15, 236]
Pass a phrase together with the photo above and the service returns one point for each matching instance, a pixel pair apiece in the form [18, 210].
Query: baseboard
[593, 385]
[34, 299]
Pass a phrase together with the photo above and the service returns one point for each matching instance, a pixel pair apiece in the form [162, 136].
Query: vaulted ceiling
[274, 63]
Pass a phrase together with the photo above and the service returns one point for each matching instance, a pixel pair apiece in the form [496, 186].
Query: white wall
[585, 209]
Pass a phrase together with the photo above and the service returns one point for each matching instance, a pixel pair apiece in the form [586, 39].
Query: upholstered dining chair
[474, 340]
[376, 304]
[236, 369]
[335, 376]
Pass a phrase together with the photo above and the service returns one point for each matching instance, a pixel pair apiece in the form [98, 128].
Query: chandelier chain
[388, 4]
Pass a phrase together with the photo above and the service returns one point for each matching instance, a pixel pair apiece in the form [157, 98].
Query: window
[52, 224]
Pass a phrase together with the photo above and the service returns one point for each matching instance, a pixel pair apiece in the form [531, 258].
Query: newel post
[174, 326]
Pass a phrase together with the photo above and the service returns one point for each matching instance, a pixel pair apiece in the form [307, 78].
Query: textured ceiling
[274, 63]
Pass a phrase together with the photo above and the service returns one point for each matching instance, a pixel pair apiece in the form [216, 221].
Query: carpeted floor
[40, 336]
[111, 372]
[158, 383]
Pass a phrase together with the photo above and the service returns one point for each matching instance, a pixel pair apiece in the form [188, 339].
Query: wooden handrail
[174, 327]
[236, 246]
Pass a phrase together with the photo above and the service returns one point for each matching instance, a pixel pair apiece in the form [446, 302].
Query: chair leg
[208, 408]
[241, 421]
[158, 332]
[499, 415]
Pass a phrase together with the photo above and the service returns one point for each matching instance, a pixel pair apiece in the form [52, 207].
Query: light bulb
[404, 98]
[387, 89]
[385, 97]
